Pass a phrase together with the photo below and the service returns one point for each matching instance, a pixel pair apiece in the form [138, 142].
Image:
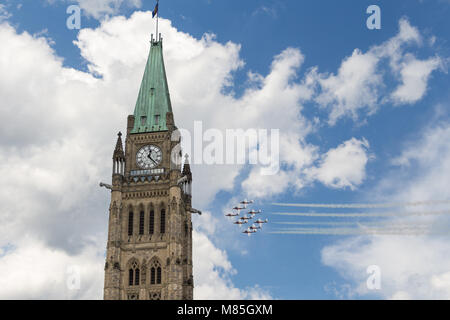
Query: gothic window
[185, 228]
[136, 277]
[163, 221]
[133, 274]
[130, 277]
[141, 222]
[156, 119]
[151, 226]
[130, 223]
[143, 120]
[152, 275]
[158, 275]
[155, 272]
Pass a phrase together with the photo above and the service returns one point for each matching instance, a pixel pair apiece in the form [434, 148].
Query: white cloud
[355, 86]
[427, 159]
[4, 14]
[258, 186]
[340, 167]
[394, 47]
[359, 86]
[35, 271]
[212, 274]
[412, 267]
[343, 166]
[414, 74]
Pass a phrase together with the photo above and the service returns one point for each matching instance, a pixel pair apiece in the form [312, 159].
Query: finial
[119, 134]
[186, 156]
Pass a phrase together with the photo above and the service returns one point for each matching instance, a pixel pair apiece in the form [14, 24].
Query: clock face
[149, 157]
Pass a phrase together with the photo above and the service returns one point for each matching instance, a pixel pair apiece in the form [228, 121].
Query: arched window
[158, 275]
[155, 272]
[136, 277]
[152, 275]
[151, 225]
[163, 221]
[130, 277]
[141, 222]
[130, 223]
[133, 274]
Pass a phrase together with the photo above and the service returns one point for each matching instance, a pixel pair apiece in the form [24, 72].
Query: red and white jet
[259, 221]
[253, 212]
[232, 214]
[246, 202]
[249, 231]
[239, 222]
[246, 218]
[254, 227]
[238, 209]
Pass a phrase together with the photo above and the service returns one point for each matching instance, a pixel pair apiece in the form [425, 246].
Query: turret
[118, 157]
[187, 183]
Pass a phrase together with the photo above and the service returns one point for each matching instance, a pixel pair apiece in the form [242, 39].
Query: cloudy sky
[363, 117]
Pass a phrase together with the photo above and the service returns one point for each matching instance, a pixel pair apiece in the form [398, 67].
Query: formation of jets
[247, 217]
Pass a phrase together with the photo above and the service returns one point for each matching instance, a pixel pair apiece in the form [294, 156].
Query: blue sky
[393, 139]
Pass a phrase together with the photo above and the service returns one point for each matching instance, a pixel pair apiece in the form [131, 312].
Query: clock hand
[150, 157]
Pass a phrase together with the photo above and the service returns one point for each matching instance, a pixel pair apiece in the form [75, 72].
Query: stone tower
[149, 248]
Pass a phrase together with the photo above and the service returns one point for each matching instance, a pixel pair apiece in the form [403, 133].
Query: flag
[155, 11]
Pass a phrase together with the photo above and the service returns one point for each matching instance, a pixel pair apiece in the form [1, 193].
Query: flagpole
[157, 16]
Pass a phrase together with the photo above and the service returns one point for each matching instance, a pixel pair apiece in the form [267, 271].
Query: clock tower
[149, 247]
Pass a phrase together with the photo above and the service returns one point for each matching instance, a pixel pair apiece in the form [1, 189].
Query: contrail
[353, 223]
[363, 205]
[393, 228]
[357, 231]
[352, 233]
[345, 223]
[361, 214]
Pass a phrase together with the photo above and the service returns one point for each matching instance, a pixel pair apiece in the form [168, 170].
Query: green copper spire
[153, 101]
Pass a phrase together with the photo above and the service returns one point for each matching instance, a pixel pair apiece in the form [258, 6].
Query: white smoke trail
[361, 214]
[360, 231]
[375, 224]
[396, 228]
[363, 205]
[340, 223]
[352, 233]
